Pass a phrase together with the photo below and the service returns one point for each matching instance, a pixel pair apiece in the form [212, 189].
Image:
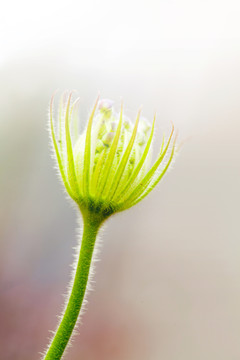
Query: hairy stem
[71, 313]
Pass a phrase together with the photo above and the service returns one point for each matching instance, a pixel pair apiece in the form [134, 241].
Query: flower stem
[71, 313]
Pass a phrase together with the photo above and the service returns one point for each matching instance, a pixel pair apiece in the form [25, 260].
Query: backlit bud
[108, 138]
[107, 169]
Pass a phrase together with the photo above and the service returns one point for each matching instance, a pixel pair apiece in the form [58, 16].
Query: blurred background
[168, 283]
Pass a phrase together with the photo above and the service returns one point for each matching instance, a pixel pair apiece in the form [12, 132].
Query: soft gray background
[168, 283]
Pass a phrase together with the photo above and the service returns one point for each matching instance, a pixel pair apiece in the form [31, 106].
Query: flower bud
[107, 138]
[108, 168]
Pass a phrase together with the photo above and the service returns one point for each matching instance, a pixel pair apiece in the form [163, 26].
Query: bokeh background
[168, 283]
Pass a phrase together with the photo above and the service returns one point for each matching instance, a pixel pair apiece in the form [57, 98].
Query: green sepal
[96, 174]
[74, 117]
[58, 156]
[70, 159]
[87, 153]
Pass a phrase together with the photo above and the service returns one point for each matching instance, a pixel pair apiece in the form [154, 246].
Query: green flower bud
[99, 146]
[108, 138]
[107, 168]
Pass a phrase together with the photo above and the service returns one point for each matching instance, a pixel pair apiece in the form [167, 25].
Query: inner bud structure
[111, 134]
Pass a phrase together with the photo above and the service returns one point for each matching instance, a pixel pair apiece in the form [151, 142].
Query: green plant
[106, 171]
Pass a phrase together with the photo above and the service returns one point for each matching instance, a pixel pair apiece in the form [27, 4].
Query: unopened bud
[107, 138]
[99, 146]
[105, 106]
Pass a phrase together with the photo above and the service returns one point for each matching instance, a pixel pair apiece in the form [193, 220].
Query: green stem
[65, 329]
